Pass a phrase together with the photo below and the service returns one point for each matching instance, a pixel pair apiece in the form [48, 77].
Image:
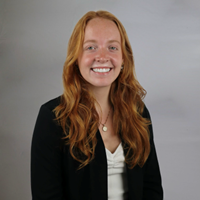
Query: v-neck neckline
[116, 150]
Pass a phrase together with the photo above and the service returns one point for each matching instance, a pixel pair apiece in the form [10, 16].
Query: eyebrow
[94, 41]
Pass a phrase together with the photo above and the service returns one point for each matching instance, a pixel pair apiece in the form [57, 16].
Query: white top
[117, 177]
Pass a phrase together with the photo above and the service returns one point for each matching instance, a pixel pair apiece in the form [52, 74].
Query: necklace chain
[104, 127]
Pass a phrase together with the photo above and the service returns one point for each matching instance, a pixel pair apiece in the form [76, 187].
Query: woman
[96, 140]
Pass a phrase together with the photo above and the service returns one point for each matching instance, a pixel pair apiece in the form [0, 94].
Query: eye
[90, 48]
[113, 48]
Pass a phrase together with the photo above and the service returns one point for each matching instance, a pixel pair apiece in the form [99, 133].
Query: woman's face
[101, 59]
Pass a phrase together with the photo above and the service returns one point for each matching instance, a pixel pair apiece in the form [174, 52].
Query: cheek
[88, 60]
[85, 62]
[117, 60]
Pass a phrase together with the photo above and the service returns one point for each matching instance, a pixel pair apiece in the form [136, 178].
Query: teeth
[101, 69]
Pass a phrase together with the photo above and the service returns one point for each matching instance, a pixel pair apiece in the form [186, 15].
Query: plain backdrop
[165, 38]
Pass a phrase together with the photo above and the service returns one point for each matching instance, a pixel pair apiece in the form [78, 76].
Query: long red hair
[76, 112]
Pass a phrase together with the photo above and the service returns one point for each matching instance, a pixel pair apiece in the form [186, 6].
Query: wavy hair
[76, 112]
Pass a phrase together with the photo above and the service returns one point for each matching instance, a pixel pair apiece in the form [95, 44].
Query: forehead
[99, 28]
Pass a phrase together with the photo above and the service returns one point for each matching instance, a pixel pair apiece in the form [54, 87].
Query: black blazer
[54, 174]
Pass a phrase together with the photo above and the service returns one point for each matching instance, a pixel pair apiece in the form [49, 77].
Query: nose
[102, 56]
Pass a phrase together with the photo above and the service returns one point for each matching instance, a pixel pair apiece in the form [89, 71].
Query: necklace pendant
[104, 128]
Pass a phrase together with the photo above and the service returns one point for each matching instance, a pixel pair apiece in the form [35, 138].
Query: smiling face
[101, 59]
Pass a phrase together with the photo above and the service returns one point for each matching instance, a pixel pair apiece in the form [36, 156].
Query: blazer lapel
[135, 181]
[98, 171]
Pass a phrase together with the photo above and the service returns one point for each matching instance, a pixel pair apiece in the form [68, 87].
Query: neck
[102, 97]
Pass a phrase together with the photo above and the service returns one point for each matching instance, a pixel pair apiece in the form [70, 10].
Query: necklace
[104, 127]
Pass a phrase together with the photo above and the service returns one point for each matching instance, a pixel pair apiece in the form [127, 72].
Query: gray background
[165, 37]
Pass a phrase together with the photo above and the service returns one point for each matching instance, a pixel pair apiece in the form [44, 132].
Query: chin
[102, 85]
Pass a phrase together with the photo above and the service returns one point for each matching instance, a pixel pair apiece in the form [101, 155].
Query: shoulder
[52, 104]
[46, 127]
[145, 113]
[147, 116]
[46, 111]
[46, 118]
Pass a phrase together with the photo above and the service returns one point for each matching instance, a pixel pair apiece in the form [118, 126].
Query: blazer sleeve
[46, 158]
[152, 178]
